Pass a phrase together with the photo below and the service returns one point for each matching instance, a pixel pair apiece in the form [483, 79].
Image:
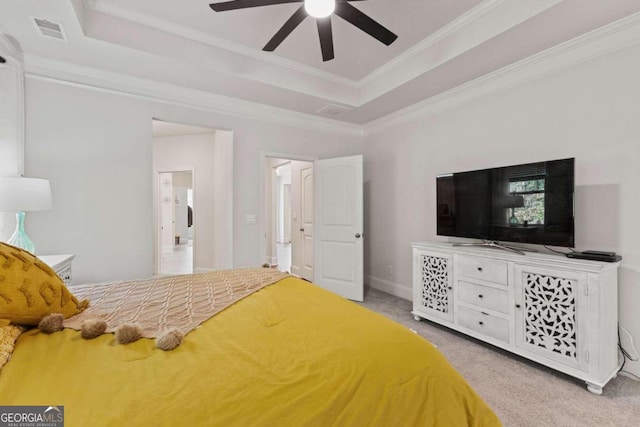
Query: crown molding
[41, 68]
[480, 24]
[444, 32]
[602, 41]
[9, 46]
[107, 8]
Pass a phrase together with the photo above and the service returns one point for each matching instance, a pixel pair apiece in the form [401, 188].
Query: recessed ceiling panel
[356, 53]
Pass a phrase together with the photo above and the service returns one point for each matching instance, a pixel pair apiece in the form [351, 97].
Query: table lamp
[20, 194]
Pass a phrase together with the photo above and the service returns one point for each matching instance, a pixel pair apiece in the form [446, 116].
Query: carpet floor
[521, 392]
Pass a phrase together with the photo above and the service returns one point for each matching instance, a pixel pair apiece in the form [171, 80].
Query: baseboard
[390, 288]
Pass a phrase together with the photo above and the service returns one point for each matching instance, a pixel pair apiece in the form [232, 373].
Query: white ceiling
[442, 44]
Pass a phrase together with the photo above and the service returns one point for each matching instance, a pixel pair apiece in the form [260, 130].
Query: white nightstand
[61, 264]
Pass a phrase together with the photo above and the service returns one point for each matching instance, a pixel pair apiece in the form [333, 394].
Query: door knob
[357, 235]
[302, 229]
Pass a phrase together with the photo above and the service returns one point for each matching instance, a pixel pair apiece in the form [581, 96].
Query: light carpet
[521, 392]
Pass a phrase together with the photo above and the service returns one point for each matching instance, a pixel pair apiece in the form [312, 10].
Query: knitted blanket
[157, 304]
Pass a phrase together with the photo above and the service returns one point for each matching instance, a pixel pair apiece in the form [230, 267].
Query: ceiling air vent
[333, 110]
[49, 29]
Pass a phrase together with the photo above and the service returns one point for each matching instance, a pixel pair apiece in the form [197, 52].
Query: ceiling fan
[322, 11]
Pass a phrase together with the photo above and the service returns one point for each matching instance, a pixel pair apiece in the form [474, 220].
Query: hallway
[180, 261]
[284, 256]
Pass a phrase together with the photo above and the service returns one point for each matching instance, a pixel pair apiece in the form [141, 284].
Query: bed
[289, 354]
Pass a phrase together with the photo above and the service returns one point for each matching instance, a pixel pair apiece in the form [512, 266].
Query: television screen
[528, 203]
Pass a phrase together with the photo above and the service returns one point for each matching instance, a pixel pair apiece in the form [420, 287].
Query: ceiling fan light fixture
[319, 8]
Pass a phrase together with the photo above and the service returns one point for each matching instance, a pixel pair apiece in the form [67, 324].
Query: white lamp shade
[319, 8]
[18, 193]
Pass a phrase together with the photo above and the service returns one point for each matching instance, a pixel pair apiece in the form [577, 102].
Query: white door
[339, 259]
[302, 219]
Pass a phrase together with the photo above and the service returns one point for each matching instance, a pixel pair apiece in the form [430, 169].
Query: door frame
[263, 198]
[157, 203]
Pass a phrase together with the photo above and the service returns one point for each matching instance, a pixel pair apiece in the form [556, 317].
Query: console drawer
[484, 296]
[485, 324]
[486, 269]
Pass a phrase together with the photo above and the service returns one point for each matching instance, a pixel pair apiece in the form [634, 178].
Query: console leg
[595, 389]
[417, 318]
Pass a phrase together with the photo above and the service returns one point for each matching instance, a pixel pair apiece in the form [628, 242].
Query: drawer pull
[481, 323]
[479, 268]
[517, 305]
[479, 295]
[450, 287]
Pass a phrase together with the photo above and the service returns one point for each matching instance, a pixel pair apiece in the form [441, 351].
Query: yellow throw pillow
[30, 289]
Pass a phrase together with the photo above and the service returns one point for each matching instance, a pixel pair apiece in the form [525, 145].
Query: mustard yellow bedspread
[291, 354]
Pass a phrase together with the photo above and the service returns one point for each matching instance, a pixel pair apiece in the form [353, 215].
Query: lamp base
[19, 237]
[513, 220]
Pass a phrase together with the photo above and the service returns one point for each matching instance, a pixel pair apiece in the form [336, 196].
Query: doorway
[326, 220]
[192, 198]
[282, 215]
[176, 222]
[289, 214]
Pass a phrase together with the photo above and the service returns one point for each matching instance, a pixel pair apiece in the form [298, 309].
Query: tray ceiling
[441, 45]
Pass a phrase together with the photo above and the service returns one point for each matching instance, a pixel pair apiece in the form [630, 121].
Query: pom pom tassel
[128, 333]
[169, 339]
[92, 328]
[51, 323]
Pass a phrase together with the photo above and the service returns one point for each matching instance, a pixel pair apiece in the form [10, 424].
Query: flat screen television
[529, 203]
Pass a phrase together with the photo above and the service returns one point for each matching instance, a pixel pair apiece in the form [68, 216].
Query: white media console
[557, 311]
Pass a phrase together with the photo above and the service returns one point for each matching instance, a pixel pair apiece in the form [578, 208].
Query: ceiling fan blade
[352, 15]
[244, 4]
[326, 38]
[286, 29]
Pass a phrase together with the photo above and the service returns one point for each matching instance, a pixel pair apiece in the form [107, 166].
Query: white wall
[11, 123]
[96, 149]
[589, 112]
[223, 199]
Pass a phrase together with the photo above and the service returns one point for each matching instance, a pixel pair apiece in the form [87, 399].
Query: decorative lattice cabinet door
[433, 281]
[551, 311]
